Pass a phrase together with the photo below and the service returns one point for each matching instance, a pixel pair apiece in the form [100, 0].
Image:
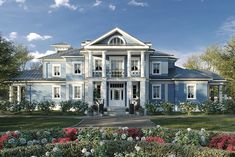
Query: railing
[97, 73]
[115, 73]
[135, 73]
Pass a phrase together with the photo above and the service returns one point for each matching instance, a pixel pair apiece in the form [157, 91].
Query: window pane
[56, 70]
[156, 68]
[98, 65]
[56, 92]
[191, 91]
[77, 92]
[77, 68]
[134, 65]
[156, 91]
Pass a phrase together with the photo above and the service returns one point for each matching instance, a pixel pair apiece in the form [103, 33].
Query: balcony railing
[97, 73]
[116, 73]
[135, 73]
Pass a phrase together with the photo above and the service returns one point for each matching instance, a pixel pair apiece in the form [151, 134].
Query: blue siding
[171, 93]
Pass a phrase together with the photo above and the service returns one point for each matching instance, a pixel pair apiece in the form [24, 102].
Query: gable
[128, 39]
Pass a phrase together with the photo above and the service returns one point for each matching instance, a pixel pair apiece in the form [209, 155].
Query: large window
[156, 68]
[77, 68]
[135, 65]
[191, 91]
[156, 92]
[77, 92]
[98, 65]
[56, 92]
[56, 70]
[134, 91]
[116, 40]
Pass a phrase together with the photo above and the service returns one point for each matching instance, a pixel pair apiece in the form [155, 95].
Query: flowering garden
[117, 142]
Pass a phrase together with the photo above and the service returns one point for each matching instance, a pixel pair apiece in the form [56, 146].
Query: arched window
[116, 40]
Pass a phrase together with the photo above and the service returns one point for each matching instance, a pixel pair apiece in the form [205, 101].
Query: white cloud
[22, 4]
[97, 3]
[112, 7]
[228, 27]
[35, 36]
[2, 2]
[63, 3]
[37, 54]
[13, 35]
[138, 4]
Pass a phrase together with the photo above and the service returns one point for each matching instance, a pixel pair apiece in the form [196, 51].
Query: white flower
[123, 136]
[203, 130]
[129, 139]
[137, 148]
[47, 154]
[101, 143]
[137, 138]
[172, 155]
[29, 143]
[38, 133]
[36, 142]
[87, 153]
[189, 129]
[103, 135]
[158, 126]
[143, 139]
[92, 150]
[8, 132]
[12, 140]
[44, 141]
[17, 132]
[22, 141]
[84, 150]
[102, 130]
[55, 149]
[115, 134]
[47, 132]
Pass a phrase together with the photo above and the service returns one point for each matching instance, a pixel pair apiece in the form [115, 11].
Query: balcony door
[117, 67]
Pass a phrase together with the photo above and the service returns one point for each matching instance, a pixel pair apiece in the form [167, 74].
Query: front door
[116, 95]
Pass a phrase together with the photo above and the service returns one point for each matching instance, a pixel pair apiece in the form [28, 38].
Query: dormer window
[116, 40]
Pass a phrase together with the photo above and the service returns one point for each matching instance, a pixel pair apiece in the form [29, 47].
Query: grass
[28, 123]
[210, 122]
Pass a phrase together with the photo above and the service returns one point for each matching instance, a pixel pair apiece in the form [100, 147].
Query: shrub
[29, 107]
[46, 106]
[210, 107]
[229, 106]
[188, 107]
[166, 107]
[65, 106]
[223, 141]
[80, 106]
[4, 105]
[151, 108]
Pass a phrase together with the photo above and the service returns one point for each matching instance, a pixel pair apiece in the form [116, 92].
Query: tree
[193, 62]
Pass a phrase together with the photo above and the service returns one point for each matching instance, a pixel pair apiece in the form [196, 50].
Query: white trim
[160, 68]
[94, 67]
[77, 85]
[160, 93]
[194, 91]
[53, 72]
[53, 94]
[117, 36]
[81, 67]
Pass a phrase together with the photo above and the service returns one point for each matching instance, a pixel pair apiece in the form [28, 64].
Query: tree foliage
[219, 59]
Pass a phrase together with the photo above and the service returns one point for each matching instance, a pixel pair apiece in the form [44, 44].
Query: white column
[18, 94]
[104, 92]
[220, 93]
[90, 64]
[67, 92]
[103, 64]
[142, 63]
[10, 93]
[129, 92]
[166, 92]
[90, 93]
[128, 64]
[142, 93]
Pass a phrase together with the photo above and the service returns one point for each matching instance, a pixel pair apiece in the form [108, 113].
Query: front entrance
[116, 95]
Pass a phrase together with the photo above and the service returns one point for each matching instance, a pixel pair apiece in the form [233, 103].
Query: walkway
[116, 121]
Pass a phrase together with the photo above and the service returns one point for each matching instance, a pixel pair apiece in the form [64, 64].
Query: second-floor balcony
[116, 73]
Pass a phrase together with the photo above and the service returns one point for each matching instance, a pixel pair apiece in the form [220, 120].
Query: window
[134, 91]
[156, 68]
[77, 68]
[156, 92]
[116, 40]
[98, 65]
[97, 92]
[56, 70]
[191, 91]
[77, 92]
[56, 92]
[134, 65]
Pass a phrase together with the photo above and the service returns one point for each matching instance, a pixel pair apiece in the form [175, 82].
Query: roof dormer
[61, 47]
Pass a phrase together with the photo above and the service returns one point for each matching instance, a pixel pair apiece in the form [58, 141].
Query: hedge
[73, 149]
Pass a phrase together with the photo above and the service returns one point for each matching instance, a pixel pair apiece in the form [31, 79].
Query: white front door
[116, 95]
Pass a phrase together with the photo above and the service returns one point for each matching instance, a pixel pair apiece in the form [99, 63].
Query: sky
[179, 27]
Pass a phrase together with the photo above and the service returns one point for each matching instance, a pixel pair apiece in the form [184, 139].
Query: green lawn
[27, 123]
[210, 122]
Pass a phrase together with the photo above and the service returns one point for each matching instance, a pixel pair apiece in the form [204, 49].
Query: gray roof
[59, 55]
[33, 75]
[211, 74]
[61, 43]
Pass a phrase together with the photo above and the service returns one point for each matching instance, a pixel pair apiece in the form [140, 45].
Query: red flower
[61, 140]
[70, 133]
[154, 139]
[223, 141]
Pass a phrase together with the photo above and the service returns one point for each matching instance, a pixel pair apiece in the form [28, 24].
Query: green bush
[229, 106]
[46, 106]
[166, 107]
[65, 106]
[210, 107]
[29, 107]
[4, 105]
[188, 107]
[151, 108]
[80, 106]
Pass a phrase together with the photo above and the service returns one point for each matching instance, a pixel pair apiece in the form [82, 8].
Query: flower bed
[116, 142]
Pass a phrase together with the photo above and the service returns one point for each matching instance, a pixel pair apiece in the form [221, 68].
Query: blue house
[120, 69]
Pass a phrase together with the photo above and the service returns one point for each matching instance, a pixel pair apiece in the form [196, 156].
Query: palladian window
[116, 40]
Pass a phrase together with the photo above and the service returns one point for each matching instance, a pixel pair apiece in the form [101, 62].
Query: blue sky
[181, 27]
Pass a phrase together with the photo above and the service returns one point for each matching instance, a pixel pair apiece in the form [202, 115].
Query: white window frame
[138, 65]
[74, 68]
[53, 70]
[194, 91]
[160, 94]
[53, 94]
[160, 67]
[116, 58]
[80, 92]
[95, 65]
